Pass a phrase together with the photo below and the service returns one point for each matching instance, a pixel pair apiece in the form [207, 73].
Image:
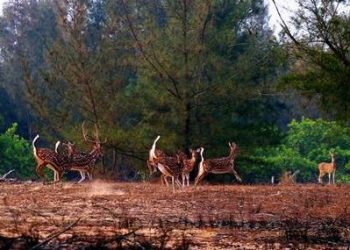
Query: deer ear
[229, 144]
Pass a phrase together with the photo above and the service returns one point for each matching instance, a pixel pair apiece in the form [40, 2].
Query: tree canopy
[196, 72]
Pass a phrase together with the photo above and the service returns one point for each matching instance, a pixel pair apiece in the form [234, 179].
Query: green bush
[16, 153]
[306, 144]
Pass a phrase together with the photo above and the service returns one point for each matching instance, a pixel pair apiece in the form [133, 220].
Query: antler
[96, 138]
[85, 135]
[97, 135]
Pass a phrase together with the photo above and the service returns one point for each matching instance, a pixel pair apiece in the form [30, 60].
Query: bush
[16, 153]
[306, 144]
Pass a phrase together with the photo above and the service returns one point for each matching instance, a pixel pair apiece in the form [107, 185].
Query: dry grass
[141, 215]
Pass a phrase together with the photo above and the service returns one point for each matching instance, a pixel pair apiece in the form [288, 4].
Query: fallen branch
[3, 178]
[56, 234]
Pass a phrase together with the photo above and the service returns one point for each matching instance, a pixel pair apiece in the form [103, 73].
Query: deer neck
[93, 152]
[232, 154]
[192, 160]
[333, 162]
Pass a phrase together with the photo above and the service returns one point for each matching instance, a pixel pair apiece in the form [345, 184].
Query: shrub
[306, 144]
[16, 153]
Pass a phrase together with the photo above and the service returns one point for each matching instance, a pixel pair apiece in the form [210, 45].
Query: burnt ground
[105, 215]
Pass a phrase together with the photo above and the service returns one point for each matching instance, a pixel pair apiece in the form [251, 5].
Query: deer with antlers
[46, 157]
[218, 166]
[327, 168]
[81, 161]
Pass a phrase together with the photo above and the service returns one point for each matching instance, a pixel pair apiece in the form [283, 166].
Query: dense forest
[196, 72]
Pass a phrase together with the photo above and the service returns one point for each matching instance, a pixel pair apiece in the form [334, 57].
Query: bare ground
[150, 216]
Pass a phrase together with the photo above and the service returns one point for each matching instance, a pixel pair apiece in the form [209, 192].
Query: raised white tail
[33, 144]
[56, 146]
[152, 154]
[202, 159]
[201, 171]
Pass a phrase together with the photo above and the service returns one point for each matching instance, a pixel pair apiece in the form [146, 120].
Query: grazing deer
[327, 168]
[188, 165]
[81, 161]
[218, 166]
[48, 157]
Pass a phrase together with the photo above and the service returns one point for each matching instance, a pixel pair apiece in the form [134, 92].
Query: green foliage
[306, 144]
[320, 55]
[15, 153]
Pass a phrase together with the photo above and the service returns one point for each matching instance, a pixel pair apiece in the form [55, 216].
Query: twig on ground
[56, 234]
[2, 178]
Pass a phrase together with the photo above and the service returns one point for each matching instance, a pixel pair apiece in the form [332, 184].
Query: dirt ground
[108, 215]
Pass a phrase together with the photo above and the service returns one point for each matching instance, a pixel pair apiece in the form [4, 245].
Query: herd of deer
[169, 166]
[73, 160]
[174, 166]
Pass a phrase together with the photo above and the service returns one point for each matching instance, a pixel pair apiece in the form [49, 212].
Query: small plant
[15, 153]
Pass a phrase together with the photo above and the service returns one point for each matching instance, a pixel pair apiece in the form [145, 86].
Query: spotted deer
[71, 150]
[81, 161]
[46, 157]
[218, 166]
[187, 167]
[327, 168]
[152, 166]
[167, 165]
[153, 154]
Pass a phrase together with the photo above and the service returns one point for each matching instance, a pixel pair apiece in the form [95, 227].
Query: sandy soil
[143, 216]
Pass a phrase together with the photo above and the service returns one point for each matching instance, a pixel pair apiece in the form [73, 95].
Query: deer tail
[33, 144]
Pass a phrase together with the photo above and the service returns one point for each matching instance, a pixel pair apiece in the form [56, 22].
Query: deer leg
[199, 178]
[183, 179]
[173, 183]
[164, 180]
[236, 175]
[39, 172]
[334, 177]
[178, 183]
[59, 175]
[150, 167]
[89, 175]
[82, 176]
[320, 178]
[55, 175]
[329, 178]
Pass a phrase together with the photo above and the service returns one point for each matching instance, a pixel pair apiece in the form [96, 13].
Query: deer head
[233, 149]
[181, 155]
[195, 153]
[70, 147]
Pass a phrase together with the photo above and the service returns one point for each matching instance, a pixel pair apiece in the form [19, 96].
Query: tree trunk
[187, 128]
